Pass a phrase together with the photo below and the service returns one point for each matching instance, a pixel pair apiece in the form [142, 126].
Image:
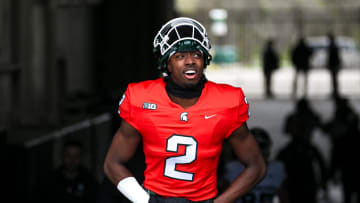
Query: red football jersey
[182, 146]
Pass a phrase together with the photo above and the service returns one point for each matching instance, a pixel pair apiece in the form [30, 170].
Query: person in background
[333, 64]
[270, 59]
[272, 186]
[71, 182]
[305, 166]
[300, 58]
[303, 120]
[343, 130]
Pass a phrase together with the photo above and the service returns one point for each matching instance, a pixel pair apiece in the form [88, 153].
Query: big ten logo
[150, 106]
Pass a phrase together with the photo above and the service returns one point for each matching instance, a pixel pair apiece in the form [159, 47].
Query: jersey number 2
[172, 145]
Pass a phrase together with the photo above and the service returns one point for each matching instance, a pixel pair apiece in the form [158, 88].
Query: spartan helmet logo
[184, 116]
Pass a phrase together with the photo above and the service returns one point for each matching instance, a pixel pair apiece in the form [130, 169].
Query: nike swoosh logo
[207, 117]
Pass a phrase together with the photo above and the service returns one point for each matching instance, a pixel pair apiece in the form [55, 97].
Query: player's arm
[248, 152]
[122, 149]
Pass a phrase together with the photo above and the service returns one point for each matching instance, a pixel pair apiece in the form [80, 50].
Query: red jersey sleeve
[243, 109]
[242, 112]
[125, 107]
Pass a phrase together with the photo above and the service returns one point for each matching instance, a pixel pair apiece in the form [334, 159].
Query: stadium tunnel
[63, 67]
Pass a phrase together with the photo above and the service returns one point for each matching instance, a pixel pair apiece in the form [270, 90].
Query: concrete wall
[67, 62]
[72, 49]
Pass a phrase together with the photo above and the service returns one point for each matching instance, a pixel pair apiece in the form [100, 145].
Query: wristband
[132, 190]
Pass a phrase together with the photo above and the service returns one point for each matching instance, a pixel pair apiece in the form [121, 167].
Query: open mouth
[190, 74]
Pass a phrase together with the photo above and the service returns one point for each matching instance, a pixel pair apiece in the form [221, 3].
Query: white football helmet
[181, 34]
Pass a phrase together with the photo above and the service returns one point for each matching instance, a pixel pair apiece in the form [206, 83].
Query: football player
[182, 120]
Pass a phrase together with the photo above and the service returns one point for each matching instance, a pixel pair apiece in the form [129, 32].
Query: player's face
[186, 68]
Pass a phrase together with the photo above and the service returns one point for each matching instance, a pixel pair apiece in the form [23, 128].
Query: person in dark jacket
[270, 59]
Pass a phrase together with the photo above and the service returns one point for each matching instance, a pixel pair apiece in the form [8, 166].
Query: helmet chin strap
[182, 92]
